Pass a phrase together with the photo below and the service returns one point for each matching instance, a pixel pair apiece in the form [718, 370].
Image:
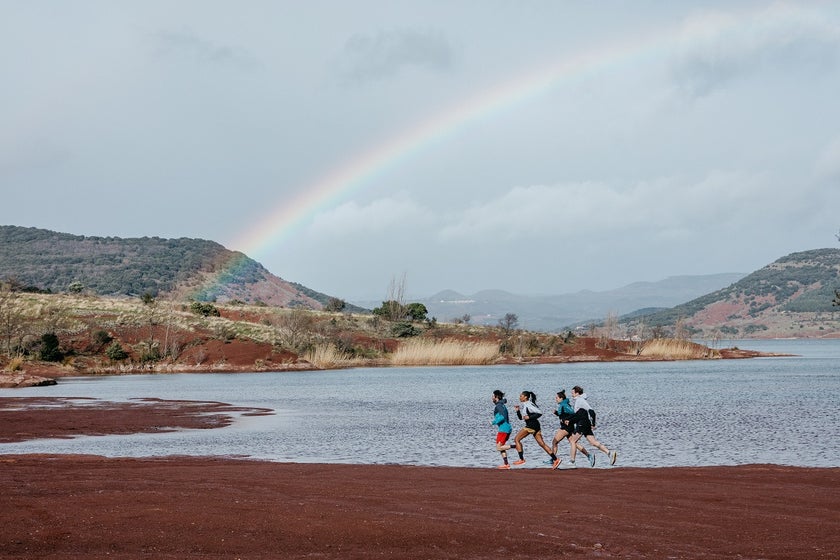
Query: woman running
[565, 413]
[530, 413]
[584, 420]
[502, 421]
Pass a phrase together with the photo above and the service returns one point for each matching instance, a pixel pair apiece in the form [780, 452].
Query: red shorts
[501, 438]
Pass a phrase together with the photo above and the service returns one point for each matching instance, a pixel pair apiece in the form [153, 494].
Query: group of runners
[577, 420]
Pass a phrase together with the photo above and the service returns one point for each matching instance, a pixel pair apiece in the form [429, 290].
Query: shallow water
[723, 412]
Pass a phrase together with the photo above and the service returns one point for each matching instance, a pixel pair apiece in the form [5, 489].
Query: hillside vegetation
[63, 334]
[791, 297]
[187, 269]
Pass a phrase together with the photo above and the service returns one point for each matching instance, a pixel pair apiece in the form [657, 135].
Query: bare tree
[152, 352]
[395, 301]
[680, 329]
[508, 323]
[608, 332]
[11, 316]
[714, 337]
[335, 305]
[294, 327]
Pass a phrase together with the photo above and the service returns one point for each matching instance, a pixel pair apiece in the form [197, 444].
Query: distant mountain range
[558, 312]
[791, 297]
[39, 259]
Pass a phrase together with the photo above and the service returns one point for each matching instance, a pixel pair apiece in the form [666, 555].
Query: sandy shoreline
[182, 507]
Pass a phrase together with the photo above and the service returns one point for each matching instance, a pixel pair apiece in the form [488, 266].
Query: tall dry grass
[677, 349]
[419, 352]
[327, 356]
[15, 364]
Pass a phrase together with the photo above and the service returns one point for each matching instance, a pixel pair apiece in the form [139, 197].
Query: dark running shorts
[583, 428]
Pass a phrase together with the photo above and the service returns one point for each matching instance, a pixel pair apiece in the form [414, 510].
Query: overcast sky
[535, 147]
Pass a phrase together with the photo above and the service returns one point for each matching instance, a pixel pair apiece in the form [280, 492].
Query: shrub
[205, 309]
[115, 352]
[75, 287]
[416, 311]
[102, 338]
[335, 305]
[404, 329]
[49, 348]
[391, 310]
[150, 353]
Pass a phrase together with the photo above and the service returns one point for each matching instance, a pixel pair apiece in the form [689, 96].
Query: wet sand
[181, 507]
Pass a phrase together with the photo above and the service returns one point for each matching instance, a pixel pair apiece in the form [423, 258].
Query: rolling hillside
[791, 297]
[184, 268]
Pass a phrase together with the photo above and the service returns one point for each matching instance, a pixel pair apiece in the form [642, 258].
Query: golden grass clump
[677, 349]
[327, 356]
[419, 352]
[15, 364]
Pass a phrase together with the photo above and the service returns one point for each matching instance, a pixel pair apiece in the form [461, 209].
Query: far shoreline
[45, 373]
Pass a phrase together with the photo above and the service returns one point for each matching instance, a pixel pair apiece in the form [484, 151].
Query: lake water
[723, 412]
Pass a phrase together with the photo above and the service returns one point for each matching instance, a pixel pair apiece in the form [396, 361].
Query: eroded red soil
[74, 507]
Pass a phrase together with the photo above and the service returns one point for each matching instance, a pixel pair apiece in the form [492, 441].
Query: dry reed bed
[416, 352]
[677, 349]
[444, 352]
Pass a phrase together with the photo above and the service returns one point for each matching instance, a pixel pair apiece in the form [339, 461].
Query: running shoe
[504, 467]
[556, 463]
[548, 461]
[591, 459]
[519, 462]
[613, 457]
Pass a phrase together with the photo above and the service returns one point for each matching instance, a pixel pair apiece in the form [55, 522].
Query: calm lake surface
[725, 412]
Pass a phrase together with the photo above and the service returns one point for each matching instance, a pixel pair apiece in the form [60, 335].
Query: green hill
[184, 268]
[790, 297]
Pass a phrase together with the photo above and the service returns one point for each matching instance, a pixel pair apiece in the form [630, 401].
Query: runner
[584, 421]
[502, 421]
[531, 413]
[565, 412]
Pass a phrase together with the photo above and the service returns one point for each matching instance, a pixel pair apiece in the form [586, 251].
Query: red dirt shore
[72, 507]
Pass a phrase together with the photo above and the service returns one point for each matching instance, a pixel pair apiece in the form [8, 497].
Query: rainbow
[289, 215]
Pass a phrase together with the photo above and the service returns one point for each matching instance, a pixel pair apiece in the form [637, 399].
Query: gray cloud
[184, 43]
[784, 38]
[368, 57]
[30, 155]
